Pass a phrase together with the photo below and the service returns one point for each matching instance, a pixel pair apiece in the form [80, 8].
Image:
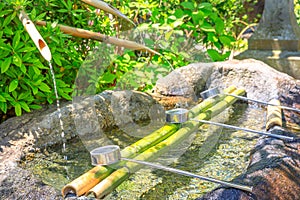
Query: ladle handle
[246, 129]
[178, 171]
[263, 102]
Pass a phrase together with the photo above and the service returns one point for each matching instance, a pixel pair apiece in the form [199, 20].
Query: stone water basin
[219, 153]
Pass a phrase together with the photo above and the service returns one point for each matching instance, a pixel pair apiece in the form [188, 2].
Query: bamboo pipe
[82, 184]
[111, 182]
[274, 115]
[35, 36]
[78, 32]
[108, 8]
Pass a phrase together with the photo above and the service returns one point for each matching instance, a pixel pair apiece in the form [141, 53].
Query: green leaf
[44, 87]
[17, 60]
[225, 40]
[207, 27]
[65, 96]
[35, 107]
[7, 20]
[23, 69]
[23, 95]
[40, 65]
[5, 65]
[206, 13]
[5, 12]
[219, 25]
[14, 94]
[27, 49]
[36, 70]
[3, 106]
[212, 37]
[188, 5]
[108, 78]
[13, 85]
[4, 53]
[35, 89]
[197, 17]
[7, 97]
[178, 13]
[24, 106]
[18, 109]
[16, 39]
[8, 30]
[214, 55]
[2, 99]
[207, 6]
[56, 58]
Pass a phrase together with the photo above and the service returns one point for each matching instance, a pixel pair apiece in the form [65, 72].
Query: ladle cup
[214, 91]
[182, 114]
[110, 154]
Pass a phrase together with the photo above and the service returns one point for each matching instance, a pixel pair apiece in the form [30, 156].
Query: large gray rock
[260, 80]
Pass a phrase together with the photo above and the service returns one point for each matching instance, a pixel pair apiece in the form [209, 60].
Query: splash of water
[59, 112]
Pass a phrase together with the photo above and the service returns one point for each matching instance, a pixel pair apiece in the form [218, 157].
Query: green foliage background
[25, 79]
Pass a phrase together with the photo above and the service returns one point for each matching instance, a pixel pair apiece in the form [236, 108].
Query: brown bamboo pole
[274, 115]
[111, 182]
[83, 183]
[78, 32]
[108, 8]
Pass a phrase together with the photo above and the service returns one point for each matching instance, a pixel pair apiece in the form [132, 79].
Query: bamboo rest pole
[274, 115]
[86, 181]
[118, 176]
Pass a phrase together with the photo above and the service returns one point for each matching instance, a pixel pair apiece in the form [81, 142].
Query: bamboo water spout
[35, 36]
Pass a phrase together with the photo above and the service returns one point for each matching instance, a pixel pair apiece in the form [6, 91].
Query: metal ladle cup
[173, 115]
[214, 91]
[111, 154]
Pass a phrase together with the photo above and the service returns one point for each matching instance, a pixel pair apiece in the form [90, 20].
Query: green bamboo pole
[85, 182]
[209, 102]
[117, 177]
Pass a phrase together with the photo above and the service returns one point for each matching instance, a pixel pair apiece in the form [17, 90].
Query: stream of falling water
[59, 113]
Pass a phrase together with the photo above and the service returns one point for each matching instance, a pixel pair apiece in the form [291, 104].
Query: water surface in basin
[222, 154]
